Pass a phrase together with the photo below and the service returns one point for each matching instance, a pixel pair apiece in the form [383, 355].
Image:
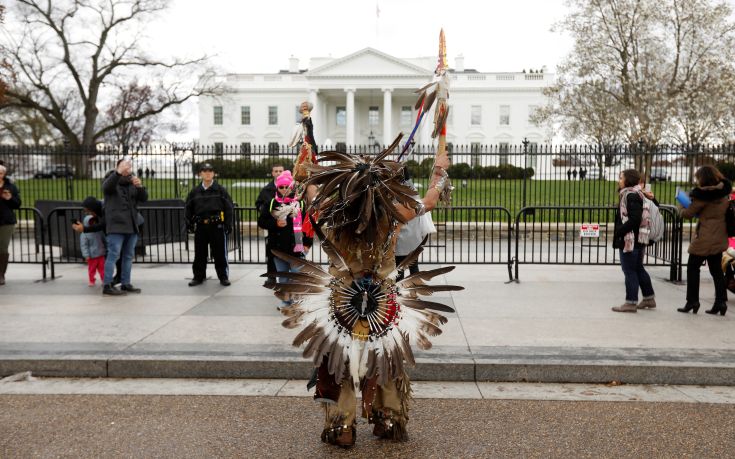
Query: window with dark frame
[272, 115]
[218, 115]
[341, 116]
[245, 115]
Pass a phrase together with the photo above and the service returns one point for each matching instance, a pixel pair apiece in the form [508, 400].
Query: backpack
[730, 218]
[656, 222]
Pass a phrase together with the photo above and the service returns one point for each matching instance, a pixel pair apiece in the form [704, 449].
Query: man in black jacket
[209, 210]
[123, 191]
[264, 198]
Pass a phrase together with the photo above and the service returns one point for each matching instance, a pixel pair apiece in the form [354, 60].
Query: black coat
[635, 216]
[207, 203]
[7, 216]
[121, 204]
[266, 194]
[282, 239]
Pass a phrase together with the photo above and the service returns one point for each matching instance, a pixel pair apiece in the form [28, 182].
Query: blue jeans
[635, 275]
[120, 244]
[282, 266]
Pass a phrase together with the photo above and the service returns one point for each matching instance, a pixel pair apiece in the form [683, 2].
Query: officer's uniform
[209, 211]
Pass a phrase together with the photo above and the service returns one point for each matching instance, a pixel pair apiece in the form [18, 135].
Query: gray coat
[92, 243]
[121, 204]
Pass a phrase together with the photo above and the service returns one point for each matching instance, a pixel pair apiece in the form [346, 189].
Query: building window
[219, 148]
[505, 115]
[341, 147]
[476, 115]
[273, 148]
[299, 116]
[272, 115]
[504, 149]
[373, 116]
[245, 148]
[341, 116]
[218, 115]
[245, 115]
[532, 111]
[406, 115]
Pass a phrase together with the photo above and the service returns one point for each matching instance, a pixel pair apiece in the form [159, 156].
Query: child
[93, 247]
[282, 217]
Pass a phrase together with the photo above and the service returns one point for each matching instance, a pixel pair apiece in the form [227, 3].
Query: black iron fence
[509, 176]
[550, 190]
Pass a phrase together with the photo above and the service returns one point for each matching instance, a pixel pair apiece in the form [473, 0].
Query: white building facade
[367, 98]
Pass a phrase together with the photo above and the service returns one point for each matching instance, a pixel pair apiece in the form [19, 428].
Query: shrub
[727, 169]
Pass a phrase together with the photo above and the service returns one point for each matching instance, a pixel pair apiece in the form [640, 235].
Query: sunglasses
[284, 187]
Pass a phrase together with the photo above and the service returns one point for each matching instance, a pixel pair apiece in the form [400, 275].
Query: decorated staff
[304, 136]
[358, 324]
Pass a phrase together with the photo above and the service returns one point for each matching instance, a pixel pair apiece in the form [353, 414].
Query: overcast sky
[260, 36]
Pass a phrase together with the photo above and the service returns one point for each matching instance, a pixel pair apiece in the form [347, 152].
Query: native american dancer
[358, 323]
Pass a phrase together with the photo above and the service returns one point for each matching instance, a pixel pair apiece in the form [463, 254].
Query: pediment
[368, 62]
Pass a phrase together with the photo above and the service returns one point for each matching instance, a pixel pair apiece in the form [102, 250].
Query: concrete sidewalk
[554, 326]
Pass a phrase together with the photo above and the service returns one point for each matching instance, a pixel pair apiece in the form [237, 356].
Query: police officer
[209, 211]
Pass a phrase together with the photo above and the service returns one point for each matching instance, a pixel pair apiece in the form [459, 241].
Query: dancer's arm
[437, 182]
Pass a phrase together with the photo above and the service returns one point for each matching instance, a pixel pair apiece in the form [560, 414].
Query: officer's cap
[206, 167]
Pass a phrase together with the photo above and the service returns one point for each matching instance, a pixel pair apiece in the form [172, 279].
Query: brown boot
[4, 258]
[626, 307]
[343, 436]
[649, 303]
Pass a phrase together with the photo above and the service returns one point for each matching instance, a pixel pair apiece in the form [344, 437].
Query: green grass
[467, 193]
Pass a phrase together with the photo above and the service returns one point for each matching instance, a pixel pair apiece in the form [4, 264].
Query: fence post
[525, 166]
[69, 177]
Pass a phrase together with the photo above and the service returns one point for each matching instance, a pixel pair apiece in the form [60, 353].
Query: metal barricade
[28, 241]
[551, 235]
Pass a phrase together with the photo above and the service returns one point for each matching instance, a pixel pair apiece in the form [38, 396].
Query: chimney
[459, 63]
[293, 64]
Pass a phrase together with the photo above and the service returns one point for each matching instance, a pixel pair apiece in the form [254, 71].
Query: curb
[461, 369]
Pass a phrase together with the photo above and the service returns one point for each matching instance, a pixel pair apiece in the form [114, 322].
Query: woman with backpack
[709, 201]
[631, 218]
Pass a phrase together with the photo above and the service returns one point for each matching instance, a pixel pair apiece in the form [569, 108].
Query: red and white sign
[589, 230]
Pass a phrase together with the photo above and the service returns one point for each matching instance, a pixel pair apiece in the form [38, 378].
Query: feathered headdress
[358, 191]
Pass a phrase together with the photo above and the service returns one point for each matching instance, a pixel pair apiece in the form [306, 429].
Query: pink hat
[284, 179]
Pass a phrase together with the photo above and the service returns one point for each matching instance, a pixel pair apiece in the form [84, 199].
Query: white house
[368, 97]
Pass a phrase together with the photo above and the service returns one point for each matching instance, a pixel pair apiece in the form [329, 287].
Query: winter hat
[284, 179]
[92, 204]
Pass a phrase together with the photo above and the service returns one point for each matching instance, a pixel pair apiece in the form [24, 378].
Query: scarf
[644, 230]
[297, 221]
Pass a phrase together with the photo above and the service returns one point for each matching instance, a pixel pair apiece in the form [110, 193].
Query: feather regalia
[357, 322]
[355, 313]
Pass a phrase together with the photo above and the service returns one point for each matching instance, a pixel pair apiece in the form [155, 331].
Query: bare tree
[23, 126]
[131, 100]
[6, 75]
[643, 61]
[70, 53]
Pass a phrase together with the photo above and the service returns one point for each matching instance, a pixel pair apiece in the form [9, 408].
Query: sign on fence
[589, 230]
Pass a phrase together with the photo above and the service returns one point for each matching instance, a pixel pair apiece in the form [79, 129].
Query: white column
[350, 116]
[315, 118]
[427, 125]
[387, 116]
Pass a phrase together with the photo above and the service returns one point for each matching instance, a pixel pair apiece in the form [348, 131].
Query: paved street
[245, 426]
